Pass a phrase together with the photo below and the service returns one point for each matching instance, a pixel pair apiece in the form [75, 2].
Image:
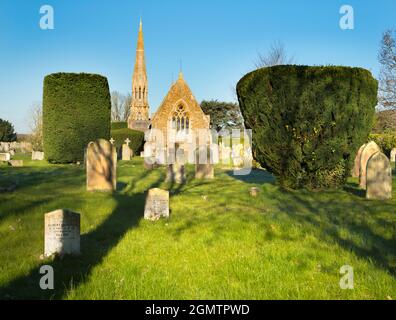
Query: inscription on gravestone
[157, 204]
[62, 233]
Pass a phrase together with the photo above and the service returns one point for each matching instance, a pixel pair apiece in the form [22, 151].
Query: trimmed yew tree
[308, 122]
[76, 110]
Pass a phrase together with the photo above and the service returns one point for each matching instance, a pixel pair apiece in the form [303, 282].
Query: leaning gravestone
[356, 166]
[379, 177]
[62, 233]
[101, 162]
[204, 168]
[157, 204]
[37, 155]
[5, 156]
[16, 163]
[367, 152]
[393, 155]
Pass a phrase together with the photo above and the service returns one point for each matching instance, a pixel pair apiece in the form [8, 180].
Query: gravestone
[16, 163]
[157, 204]
[367, 152]
[5, 156]
[101, 158]
[393, 155]
[356, 166]
[204, 168]
[126, 152]
[379, 177]
[254, 191]
[62, 233]
[175, 172]
[37, 155]
[12, 152]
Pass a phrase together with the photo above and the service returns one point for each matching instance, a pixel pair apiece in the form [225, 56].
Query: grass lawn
[219, 243]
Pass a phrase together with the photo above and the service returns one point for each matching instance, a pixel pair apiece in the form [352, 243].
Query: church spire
[139, 105]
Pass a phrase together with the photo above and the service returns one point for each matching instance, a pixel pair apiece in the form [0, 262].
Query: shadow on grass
[256, 176]
[71, 271]
[362, 226]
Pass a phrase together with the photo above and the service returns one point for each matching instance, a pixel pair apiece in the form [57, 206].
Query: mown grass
[219, 243]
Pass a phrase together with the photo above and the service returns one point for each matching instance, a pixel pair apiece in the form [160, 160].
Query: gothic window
[140, 93]
[180, 119]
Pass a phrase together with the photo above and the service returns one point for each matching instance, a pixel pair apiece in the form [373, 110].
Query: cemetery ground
[219, 243]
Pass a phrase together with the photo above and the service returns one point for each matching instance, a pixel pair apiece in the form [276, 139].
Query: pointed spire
[140, 44]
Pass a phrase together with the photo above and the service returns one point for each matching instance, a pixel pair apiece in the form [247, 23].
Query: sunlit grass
[219, 242]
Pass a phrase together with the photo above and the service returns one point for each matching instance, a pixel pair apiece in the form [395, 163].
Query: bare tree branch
[276, 55]
[387, 77]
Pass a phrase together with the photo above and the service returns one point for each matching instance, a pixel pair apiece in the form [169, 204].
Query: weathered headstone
[101, 166]
[393, 155]
[16, 163]
[37, 155]
[157, 204]
[379, 177]
[204, 168]
[356, 166]
[367, 152]
[254, 191]
[5, 156]
[62, 233]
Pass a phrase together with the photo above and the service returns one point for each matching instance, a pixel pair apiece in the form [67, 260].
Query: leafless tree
[117, 102]
[36, 126]
[127, 107]
[120, 106]
[387, 77]
[276, 55]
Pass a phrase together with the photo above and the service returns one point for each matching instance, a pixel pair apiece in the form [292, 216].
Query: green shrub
[7, 132]
[76, 110]
[386, 141]
[308, 122]
[136, 137]
[119, 125]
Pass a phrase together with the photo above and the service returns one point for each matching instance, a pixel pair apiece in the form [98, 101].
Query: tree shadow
[256, 176]
[354, 224]
[71, 271]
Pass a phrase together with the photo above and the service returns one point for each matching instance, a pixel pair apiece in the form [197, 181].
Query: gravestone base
[204, 171]
[16, 163]
[175, 173]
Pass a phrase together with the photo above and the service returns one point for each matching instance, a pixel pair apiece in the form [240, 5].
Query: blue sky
[217, 40]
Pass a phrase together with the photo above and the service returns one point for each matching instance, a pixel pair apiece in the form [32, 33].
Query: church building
[179, 117]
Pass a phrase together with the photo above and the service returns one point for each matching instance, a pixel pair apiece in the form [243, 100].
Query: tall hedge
[76, 110]
[136, 137]
[308, 122]
[119, 125]
[386, 141]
